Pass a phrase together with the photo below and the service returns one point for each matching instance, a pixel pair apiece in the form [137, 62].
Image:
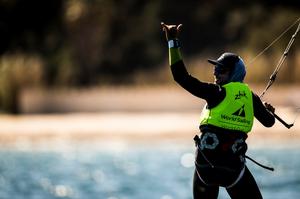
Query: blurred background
[89, 108]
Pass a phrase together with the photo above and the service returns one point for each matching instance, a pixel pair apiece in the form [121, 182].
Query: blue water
[133, 172]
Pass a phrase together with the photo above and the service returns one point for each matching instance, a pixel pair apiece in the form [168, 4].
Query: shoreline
[129, 127]
[170, 98]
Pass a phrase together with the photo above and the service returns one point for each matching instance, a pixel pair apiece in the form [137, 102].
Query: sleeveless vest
[235, 112]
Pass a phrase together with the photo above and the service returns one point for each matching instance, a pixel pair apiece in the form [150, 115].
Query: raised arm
[212, 93]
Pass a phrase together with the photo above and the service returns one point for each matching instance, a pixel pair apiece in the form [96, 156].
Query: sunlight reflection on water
[129, 171]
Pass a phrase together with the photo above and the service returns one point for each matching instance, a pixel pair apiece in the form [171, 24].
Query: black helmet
[227, 60]
[234, 63]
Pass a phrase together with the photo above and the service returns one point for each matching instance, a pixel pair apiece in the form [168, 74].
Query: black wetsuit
[246, 187]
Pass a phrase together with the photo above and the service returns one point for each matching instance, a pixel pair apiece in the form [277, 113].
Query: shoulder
[218, 93]
[255, 97]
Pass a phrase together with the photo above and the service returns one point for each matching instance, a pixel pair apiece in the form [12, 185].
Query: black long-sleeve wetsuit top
[214, 94]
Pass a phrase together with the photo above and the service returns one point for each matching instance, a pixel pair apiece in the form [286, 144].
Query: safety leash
[259, 164]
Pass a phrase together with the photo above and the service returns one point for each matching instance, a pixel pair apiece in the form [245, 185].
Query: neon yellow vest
[235, 112]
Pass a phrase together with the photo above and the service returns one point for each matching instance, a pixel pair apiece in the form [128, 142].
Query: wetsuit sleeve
[212, 93]
[261, 113]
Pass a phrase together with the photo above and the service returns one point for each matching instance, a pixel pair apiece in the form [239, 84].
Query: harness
[221, 156]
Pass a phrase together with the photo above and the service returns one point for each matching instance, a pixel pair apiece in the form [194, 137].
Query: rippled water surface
[160, 171]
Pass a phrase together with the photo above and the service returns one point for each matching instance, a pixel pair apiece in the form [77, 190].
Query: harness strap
[197, 141]
[237, 180]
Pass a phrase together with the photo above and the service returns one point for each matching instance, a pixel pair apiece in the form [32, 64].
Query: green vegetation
[75, 43]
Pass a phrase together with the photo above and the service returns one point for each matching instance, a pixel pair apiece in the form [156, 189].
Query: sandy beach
[126, 126]
[131, 114]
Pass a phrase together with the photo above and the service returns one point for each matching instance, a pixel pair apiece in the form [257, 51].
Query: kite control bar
[283, 122]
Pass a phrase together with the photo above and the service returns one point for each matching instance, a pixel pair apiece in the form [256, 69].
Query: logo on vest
[240, 112]
[239, 116]
[240, 95]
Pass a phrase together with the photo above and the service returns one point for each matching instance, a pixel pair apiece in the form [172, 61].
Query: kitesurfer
[225, 122]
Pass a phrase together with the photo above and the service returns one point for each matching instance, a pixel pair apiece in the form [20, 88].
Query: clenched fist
[269, 107]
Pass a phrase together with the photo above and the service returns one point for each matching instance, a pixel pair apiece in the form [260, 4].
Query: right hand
[171, 31]
[269, 107]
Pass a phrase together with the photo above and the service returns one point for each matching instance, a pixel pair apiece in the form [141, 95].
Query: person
[225, 122]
